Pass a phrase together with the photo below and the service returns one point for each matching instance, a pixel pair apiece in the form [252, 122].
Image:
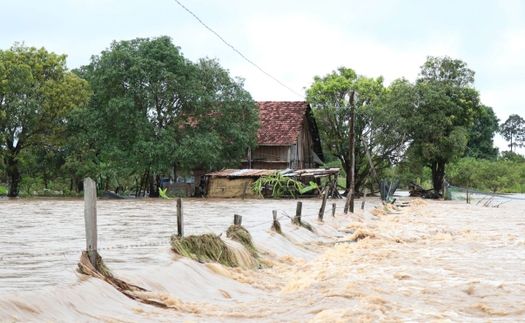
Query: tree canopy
[153, 110]
[36, 94]
[330, 100]
[481, 136]
[439, 110]
[513, 130]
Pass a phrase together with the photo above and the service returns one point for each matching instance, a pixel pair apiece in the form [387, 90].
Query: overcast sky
[295, 40]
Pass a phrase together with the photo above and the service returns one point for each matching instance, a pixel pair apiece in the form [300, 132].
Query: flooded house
[287, 139]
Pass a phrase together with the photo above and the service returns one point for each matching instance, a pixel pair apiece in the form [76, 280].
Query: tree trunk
[154, 185]
[438, 174]
[12, 171]
[13, 174]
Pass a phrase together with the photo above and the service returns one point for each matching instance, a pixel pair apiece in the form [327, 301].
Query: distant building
[288, 138]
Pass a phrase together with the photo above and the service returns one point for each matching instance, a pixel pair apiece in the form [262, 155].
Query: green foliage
[481, 136]
[241, 235]
[36, 94]
[495, 176]
[330, 100]
[513, 130]
[461, 172]
[153, 109]
[512, 156]
[438, 111]
[162, 193]
[278, 183]
[312, 186]
[204, 248]
[482, 174]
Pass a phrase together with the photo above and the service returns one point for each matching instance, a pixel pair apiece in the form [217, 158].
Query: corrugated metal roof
[317, 172]
[241, 172]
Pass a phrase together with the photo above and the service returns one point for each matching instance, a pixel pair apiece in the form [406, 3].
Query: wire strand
[249, 61]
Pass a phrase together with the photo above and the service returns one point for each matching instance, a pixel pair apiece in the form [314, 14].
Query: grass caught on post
[204, 248]
[241, 235]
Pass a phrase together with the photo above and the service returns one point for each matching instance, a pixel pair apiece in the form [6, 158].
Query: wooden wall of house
[266, 165]
[302, 152]
[270, 153]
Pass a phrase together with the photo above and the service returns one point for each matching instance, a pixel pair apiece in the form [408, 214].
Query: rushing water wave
[434, 261]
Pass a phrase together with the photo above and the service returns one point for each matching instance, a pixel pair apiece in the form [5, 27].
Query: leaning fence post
[237, 219]
[298, 210]
[333, 209]
[180, 218]
[90, 218]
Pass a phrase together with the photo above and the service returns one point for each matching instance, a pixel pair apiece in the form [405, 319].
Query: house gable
[288, 137]
[281, 122]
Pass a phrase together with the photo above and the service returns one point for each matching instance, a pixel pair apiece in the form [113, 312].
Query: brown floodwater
[433, 261]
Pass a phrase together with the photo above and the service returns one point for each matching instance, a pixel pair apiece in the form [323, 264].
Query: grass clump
[241, 235]
[204, 248]
[276, 226]
[307, 226]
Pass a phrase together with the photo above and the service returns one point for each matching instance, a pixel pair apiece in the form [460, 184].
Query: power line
[260, 69]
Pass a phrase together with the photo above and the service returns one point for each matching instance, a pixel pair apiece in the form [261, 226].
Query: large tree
[330, 100]
[513, 130]
[153, 109]
[36, 93]
[443, 105]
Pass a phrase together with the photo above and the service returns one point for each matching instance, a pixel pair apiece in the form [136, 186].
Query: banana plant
[162, 193]
[278, 183]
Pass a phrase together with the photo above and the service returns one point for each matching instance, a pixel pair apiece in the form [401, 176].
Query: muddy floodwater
[428, 261]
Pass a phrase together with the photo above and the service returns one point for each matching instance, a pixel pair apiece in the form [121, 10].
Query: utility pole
[350, 197]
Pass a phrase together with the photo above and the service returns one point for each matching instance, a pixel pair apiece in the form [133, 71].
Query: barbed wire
[79, 251]
[146, 244]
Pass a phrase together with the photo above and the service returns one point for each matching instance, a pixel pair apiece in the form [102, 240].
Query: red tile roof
[281, 122]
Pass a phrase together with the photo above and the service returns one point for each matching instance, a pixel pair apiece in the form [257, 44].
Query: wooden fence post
[364, 199]
[323, 205]
[90, 218]
[180, 218]
[333, 209]
[237, 219]
[298, 210]
[276, 226]
[244, 190]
